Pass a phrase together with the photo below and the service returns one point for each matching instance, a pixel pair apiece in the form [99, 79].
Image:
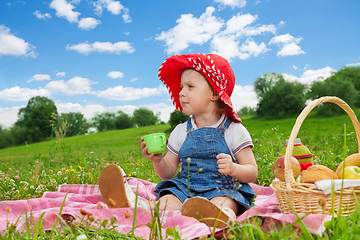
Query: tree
[36, 117]
[333, 87]
[103, 121]
[177, 117]
[344, 84]
[145, 117]
[277, 97]
[19, 135]
[6, 139]
[351, 74]
[122, 120]
[246, 111]
[265, 83]
[76, 123]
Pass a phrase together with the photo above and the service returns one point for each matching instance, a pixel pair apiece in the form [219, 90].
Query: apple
[351, 172]
[352, 160]
[279, 168]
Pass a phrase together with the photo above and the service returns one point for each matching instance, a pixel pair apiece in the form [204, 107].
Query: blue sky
[92, 56]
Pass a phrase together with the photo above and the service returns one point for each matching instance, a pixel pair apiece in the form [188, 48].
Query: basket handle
[290, 146]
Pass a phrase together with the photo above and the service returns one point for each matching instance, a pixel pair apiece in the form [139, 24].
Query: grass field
[80, 160]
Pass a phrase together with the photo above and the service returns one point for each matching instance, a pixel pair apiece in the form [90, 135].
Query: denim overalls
[199, 174]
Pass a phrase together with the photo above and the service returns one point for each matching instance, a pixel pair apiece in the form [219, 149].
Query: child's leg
[170, 201]
[227, 205]
[219, 210]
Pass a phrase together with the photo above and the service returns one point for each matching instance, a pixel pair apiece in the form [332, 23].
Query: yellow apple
[351, 172]
[352, 160]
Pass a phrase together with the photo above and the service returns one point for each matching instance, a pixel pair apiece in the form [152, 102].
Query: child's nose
[182, 93]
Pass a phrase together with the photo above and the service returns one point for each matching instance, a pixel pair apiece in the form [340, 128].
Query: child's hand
[225, 163]
[153, 157]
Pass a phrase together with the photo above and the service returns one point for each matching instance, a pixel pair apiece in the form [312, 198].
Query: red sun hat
[214, 68]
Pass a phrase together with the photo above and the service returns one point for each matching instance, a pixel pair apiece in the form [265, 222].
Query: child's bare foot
[112, 187]
[206, 212]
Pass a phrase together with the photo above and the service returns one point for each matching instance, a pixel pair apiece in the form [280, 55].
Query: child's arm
[245, 170]
[165, 167]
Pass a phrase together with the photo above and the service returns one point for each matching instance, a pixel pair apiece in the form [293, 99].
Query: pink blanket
[85, 202]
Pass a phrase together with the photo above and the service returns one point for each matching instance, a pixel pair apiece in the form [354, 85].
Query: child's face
[196, 95]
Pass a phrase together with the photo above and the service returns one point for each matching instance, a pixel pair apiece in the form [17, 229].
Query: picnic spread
[303, 190]
[76, 203]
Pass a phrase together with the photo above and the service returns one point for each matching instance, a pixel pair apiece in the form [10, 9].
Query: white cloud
[18, 94]
[191, 30]
[232, 3]
[239, 26]
[8, 116]
[121, 93]
[126, 16]
[252, 48]
[101, 47]
[61, 74]
[91, 110]
[88, 23]
[235, 41]
[114, 7]
[353, 64]
[115, 74]
[238, 23]
[310, 76]
[70, 107]
[290, 78]
[282, 24]
[42, 16]
[65, 10]
[88, 111]
[12, 45]
[244, 96]
[40, 77]
[284, 39]
[290, 50]
[74, 86]
[288, 45]
[227, 47]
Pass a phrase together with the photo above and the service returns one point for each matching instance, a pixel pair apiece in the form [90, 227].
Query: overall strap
[189, 125]
[226, 124]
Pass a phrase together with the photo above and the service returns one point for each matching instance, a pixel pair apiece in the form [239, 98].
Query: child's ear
[214, 97]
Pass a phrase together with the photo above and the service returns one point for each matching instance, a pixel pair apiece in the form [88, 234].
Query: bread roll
[316, 173]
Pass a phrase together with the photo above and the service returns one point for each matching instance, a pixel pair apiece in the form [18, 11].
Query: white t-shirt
[237, 136]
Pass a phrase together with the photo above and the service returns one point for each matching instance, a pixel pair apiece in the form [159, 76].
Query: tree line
[39, 119]
[279, 98]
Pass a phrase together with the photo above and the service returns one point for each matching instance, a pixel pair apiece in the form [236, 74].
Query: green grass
[80, 160]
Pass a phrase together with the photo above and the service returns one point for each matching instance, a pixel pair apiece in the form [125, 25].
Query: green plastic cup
[156, 142]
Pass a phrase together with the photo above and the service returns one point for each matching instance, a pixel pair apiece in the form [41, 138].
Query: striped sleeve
[171, 149]
[242, 146]
[177, 138]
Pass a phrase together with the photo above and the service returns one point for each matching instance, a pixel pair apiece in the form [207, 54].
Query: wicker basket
[306, 197]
